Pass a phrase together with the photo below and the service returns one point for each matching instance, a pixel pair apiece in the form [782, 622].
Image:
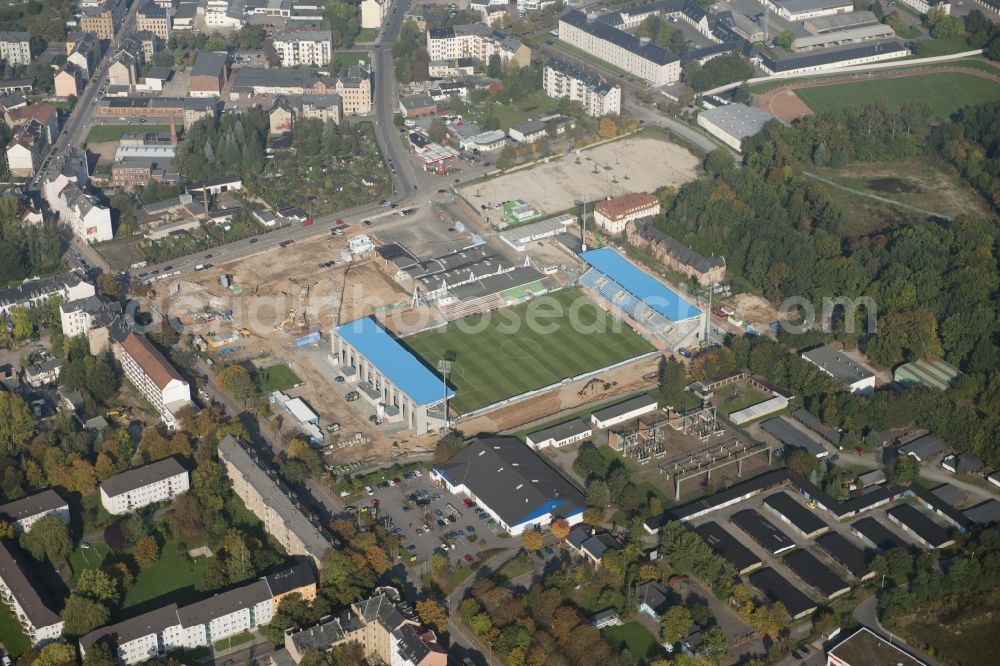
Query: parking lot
[426, 518]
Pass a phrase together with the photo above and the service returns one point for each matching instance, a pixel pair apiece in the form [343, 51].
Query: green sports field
[500, 355]
[946, 93]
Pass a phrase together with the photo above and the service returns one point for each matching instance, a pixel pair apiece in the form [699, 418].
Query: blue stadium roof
[643, 286]
[393, 360]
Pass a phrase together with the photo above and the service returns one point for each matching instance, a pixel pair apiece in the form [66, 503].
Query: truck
[199, 267]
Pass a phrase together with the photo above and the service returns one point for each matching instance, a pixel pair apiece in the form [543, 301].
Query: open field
[13, 638]
[172, 576]
[610, 169]
[557, 336]
[348, 58]
[276, 378]
[99, 133]
[946, 93]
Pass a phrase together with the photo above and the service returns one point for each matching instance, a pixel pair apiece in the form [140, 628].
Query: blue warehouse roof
[393, 360]
[643, 286]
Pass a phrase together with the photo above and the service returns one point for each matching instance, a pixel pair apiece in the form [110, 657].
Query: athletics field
[945, 92]
[500, 354]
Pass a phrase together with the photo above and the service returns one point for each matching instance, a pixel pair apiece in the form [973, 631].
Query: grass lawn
[276, 378]
[930, 48]
[515, 567]
[946, 93]
[367, 35]
[100, 133]
[348, 58]
[635, 637]
[509, 115]
[737, 397]
[505, 353]
[234, 640]
[88, 558]
[169, 575]
[13, 638]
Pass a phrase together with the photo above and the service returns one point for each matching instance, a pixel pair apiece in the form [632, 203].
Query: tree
[214, 577]
[904, 470]
[47, 539]
[56, 654]
[560, 528]
[438, 131]
[606, 128]
[675, 624]
[432, 614]
[237, 382]
[187, 518]
[97, 585]
[108, 286]
[6, 530]
[82, 615]
[802, 462]
[17, 424]
[99, 654]
[784, 39]
[21, 321]
[147, 552]
[134, 528]
[494, 69]
[239, 563]
[531, 540]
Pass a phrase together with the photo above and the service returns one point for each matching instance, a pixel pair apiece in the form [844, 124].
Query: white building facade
[373, 13]
[312, 47]
[155, 378]
[598, 98]
[156, 482]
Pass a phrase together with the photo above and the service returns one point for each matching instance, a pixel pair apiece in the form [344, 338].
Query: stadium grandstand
[656, 309]
[465, 282]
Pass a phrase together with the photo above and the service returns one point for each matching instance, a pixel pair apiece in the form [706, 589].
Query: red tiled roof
[150, 360]
[626, 204]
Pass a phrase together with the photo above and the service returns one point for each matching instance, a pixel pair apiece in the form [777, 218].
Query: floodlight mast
[444, 367]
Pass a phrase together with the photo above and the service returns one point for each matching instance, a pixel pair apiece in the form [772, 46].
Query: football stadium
[512, 351]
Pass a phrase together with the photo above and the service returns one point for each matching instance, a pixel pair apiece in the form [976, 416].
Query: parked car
[468, 558]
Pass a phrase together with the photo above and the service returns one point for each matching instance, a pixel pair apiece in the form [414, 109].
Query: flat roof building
[805, 522]
[777, 588]
[512, 484]
[876, 534]
[807, 566]
[725, 544]
[925, 530]
[842, 368]
[559, 435]
[846, 554]
[623, 411]
[387, 373]
[985, 513]
[763, 531]
[925, 448]
[784, 430]
[865, 648]
[733, 123]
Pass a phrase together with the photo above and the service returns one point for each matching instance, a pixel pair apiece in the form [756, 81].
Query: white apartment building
[156, 482]
[153, 18]
[25, 512]
[27, 600]
[613, 213]
[306, 47]
[599, 98]
[269, 502]
[219, 15]
[374, 12]
[154, 634]
[801, 10]
[155, 378]
[15, 48]
[476, 40]
[623, 50]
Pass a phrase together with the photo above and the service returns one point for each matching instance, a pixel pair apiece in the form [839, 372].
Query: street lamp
[583, 218]
[444, 367]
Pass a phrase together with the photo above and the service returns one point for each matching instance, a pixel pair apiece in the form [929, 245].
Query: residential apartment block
[599, 98]
[374, 12]
[379, 626]
[622, 49]
[209, 74]
[153, 375]
[269, 501]
[64, 190]
[303, 48]
[153, 18]
[24, 152]
[161, 631]
[15, 48]
[613, 213]
[23, 594]
[102, 18]
[25, 512]
[156, 482]
[476, 40]
[34, 293]
[354, 86]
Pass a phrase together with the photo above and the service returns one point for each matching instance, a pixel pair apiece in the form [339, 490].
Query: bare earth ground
[755, 310]
[786, 105]
[557, 185]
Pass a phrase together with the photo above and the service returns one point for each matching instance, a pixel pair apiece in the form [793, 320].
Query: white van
[369, 491]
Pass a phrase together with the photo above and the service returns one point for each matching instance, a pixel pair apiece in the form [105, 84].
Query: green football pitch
[946, 93]
[508, 352]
